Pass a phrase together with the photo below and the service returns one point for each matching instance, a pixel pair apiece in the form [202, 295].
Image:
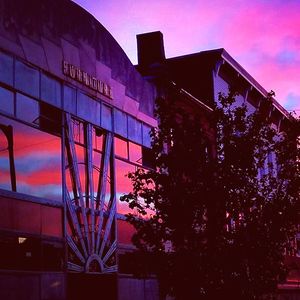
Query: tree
[223, 212]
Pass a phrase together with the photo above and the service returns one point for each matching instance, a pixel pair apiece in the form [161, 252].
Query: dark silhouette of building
[201, 77]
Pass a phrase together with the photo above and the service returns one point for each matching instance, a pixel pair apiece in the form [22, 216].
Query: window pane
[27, 109]
[37, 159]
[88, 109]
[120, 119]
[27, 79]
[135, 153]
[70, 100]
[97, 139]
[148, 157]
[121, 148]
[6, 101]
[52, 256]
[51, 90]
[50, 118]
[5, 181]
[123, 184]
[80, 155]
[106, 117]
[134, 130]
[96, 170]
[146, 136]
[20, 252]
[6, 69]
[52, 220]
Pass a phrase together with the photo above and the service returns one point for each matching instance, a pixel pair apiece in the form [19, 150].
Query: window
[27, 79]
[36, 156]
[50, 118]
[30, 253]
[27, 109]
[6, 101]
[121, 148]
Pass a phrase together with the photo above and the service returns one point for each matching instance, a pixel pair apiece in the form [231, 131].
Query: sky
[262, 35]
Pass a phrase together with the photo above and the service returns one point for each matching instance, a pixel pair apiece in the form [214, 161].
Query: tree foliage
[218, 214]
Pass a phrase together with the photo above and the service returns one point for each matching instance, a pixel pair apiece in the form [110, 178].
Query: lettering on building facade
[86, 79]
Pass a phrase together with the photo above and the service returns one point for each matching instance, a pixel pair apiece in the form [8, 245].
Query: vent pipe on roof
[150, 48]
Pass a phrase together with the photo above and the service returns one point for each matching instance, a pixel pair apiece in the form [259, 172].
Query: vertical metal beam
[75, 222]
[8, 132]
[102, 184]
[112, 214]
[112, 205]
[74, 165]
[91, 181]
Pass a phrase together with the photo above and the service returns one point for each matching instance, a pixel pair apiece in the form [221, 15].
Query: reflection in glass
[80, 155]
[97, 139]
[78, 131]
[37, 157]
[123, 184]
[121, 148]
[5, 181]
[135, 153]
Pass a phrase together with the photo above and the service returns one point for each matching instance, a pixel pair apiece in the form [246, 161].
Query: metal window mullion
[91, 181]
[111, 269]
[75, 222]
[111, 250]
[102, 184]
[76, 178]
[75, 267]
[111, 218]
[75, 249]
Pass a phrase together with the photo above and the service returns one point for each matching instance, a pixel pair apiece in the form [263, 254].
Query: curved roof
[45, 32]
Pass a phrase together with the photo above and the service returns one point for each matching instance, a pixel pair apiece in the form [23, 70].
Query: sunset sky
[262, 35]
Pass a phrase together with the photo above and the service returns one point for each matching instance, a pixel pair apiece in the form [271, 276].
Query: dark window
[148, 157]
[52, 256]
[29, 253]
[50, 118]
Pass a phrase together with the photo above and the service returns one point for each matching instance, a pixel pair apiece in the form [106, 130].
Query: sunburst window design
[90, 197]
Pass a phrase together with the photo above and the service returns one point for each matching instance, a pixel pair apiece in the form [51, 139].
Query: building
[203, 76]
[75, 116]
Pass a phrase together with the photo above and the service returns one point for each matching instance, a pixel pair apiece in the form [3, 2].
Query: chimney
[150, 48]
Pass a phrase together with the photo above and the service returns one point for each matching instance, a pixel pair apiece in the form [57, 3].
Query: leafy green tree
[218, 214]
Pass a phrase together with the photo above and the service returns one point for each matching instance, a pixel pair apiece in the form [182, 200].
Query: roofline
[191, 97]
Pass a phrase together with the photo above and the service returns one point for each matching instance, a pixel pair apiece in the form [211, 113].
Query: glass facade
[36, 158]
[39, 116]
